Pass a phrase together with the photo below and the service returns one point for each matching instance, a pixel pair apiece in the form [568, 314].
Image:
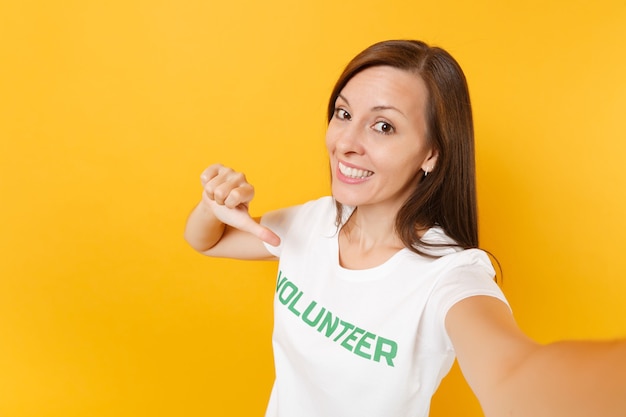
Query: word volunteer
[353, 338]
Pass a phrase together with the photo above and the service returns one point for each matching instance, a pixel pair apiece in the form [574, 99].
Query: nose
[346, 139]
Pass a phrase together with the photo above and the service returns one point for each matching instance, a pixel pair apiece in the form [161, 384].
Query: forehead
[387, 86]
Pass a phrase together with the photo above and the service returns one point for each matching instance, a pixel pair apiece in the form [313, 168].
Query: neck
[369, 229]
[368, 239]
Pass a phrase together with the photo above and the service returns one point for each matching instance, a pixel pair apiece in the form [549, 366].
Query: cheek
[329, 141]
[409, 167]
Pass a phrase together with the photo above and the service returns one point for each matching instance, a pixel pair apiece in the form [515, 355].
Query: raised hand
[227, 194]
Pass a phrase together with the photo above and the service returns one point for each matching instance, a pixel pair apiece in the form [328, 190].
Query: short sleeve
[469, 274]
[292, 223]
[279, 221]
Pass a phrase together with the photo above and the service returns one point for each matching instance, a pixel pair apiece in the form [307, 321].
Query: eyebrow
[375, 108]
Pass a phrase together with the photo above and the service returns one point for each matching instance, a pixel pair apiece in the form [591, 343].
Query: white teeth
[353, 172]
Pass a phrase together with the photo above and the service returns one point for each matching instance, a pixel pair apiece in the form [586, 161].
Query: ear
[430, 161]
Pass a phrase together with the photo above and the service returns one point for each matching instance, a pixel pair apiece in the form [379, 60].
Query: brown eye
[384, 128]
[342, 114]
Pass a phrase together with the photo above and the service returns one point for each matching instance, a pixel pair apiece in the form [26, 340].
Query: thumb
[266, 235]
[239, 218]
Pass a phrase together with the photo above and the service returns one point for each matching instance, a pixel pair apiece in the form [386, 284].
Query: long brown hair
[446, 196]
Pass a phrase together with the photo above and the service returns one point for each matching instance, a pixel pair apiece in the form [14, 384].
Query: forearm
[203, 230]
[569, 379]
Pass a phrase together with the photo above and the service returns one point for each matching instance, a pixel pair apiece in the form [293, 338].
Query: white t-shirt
[362, 343]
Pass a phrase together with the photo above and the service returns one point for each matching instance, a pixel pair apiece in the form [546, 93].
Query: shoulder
[446, 249]
[295, 222]
[460, 274]
[322, 207]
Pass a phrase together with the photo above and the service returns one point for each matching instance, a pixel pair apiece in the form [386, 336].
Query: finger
[270, 237]
[209, 173]
[220, 187]
[240, 219]
[243, 194]
[260, 231]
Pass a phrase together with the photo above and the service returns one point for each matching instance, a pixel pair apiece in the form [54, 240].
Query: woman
[382, 284]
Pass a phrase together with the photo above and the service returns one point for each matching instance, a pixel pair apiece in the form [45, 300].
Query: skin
[220, 225]
[379, 130]
[379, 127]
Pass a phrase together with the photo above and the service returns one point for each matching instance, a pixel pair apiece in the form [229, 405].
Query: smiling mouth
[353, 172]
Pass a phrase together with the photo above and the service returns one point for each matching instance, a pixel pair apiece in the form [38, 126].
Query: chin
[346, 199]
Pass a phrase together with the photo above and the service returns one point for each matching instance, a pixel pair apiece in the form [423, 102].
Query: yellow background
[109, 111]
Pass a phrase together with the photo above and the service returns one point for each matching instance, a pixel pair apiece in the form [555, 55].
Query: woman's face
[376, 138]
